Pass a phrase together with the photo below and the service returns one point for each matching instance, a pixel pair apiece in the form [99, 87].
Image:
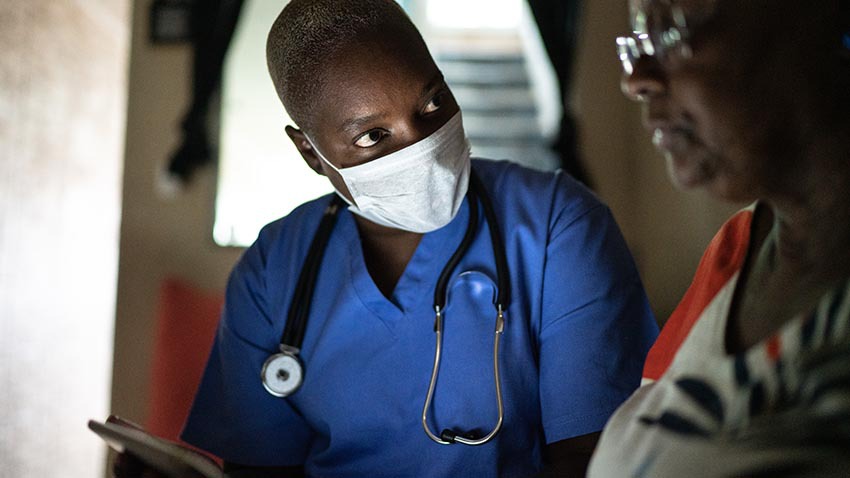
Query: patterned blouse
[781, 408]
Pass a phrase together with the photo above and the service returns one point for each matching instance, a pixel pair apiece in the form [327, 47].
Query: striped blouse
[781, 408]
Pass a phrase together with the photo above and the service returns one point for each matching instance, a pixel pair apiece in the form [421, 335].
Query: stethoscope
[283, 372]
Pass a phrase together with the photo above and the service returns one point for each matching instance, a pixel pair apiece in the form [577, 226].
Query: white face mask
[419, 188]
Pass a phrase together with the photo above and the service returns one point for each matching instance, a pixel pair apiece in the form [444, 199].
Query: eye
[370, 138]
[434, 104]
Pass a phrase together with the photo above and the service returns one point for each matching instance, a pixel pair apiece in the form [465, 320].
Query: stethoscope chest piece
[282, 373]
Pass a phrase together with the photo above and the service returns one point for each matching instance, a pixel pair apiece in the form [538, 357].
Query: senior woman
[749, 100]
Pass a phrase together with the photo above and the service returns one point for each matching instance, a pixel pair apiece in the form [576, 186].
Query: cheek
[337, 182]
[732, 115]
[715, 113]
[729, 143]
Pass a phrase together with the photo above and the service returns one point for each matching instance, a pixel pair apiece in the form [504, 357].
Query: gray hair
[309, 32]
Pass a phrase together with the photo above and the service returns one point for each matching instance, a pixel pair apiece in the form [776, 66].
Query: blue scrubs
[577, 331]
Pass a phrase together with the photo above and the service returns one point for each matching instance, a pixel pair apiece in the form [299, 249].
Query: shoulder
[265, 276]
[293, 224]
[532, 194]
[722, 259]
[281, 240]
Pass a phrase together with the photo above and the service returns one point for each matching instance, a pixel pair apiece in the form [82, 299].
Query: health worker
[436, 316]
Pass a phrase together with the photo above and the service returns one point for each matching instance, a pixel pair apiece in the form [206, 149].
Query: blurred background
[142, 146]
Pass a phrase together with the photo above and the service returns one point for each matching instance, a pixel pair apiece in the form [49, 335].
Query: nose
[647, 80]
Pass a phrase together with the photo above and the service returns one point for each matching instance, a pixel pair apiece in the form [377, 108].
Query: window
[261, 174]
[474, 14]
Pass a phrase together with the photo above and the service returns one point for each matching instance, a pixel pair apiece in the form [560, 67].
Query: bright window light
[474, 14]
[261, 175]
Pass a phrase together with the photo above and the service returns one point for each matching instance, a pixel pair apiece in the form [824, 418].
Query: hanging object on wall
[213, 23]
[171, 21]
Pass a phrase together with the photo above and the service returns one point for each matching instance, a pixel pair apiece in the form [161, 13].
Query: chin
[687, 172]
[728, 191]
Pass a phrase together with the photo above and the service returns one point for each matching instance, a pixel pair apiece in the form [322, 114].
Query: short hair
[307, 33]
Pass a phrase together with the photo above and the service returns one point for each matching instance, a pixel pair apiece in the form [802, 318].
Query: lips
[688, 163]
[673, 139]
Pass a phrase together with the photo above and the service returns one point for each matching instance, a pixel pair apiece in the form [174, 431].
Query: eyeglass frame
[675, 39]
[672, 40]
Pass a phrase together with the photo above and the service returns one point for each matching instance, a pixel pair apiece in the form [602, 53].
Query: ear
[299, 139]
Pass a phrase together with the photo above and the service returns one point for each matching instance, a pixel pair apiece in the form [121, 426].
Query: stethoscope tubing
[477, 191]
[448, 437]
[299, 310]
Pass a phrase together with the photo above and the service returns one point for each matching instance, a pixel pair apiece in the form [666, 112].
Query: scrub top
[577, 331]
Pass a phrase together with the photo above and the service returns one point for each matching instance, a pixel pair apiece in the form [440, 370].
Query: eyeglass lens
[660, 30]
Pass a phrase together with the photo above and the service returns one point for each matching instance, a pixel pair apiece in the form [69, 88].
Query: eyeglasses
[660, 31]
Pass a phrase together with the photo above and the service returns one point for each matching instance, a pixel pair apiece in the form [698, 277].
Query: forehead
[370, 75]
[383, 73]
[377, 57]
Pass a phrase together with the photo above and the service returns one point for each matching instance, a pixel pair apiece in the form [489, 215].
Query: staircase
[499, 112]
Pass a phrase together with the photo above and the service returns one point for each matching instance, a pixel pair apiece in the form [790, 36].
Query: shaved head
[309, 33]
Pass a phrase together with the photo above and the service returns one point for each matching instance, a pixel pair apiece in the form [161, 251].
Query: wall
[674, 227]
[666, 229]
[62, 102]
[162, 236]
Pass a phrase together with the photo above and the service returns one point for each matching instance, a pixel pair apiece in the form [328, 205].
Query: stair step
[508, 115]
[485, 83]
[499, 111]
[462, 73]
[478, 57]
[519, 142]
[529, 110]
[501, 99]
[501, 127]
[539, 157]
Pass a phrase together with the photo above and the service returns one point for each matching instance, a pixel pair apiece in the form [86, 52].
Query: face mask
[419, 188]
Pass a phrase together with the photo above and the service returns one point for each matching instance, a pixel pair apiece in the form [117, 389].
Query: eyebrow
[356, 124]
[436, 81]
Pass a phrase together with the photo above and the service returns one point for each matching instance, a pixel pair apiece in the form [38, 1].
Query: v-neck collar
[415, 288]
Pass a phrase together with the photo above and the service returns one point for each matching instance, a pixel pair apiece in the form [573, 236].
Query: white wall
[62, 105]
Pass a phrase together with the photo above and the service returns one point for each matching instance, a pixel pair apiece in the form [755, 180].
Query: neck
[386, 252]
[812, 218]
[372, 232]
